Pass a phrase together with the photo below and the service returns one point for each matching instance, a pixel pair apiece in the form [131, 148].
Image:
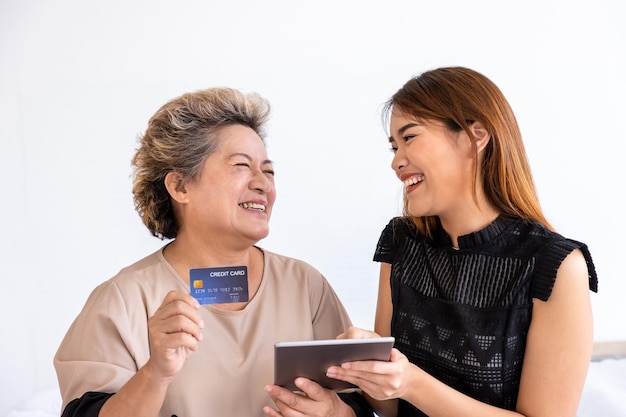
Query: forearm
[141, 396]
[437, 399]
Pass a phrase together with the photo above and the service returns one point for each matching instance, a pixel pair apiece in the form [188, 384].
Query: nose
[399, 160]
[260, 182]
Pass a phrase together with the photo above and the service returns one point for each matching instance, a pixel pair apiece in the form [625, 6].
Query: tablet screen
[312, 358]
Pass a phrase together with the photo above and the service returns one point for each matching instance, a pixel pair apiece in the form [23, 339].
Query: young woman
[490, 307]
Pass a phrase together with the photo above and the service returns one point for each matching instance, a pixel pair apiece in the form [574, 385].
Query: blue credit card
[220, 285]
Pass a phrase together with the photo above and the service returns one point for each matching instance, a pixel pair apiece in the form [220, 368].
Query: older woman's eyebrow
[249, 158]
[244, 155]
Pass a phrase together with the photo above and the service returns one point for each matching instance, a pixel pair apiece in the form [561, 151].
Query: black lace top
[463, 315]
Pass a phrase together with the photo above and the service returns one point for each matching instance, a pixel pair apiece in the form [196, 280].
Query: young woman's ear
[482, 136]
[175, 186]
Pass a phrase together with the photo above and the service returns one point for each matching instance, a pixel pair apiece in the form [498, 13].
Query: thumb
[312, 389]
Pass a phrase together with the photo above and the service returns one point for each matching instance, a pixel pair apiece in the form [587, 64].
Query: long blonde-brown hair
[457, 97]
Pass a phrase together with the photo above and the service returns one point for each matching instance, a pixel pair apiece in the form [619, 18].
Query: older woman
[142, 345]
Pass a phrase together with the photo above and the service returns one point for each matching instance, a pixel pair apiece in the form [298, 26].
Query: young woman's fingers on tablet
[357, 333]
[379, 379]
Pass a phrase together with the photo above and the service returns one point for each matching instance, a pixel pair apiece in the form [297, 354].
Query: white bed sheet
[604, 394]
[605, 389]
[46, 403]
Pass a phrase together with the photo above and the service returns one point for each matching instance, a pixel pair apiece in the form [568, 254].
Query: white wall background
[79, 80]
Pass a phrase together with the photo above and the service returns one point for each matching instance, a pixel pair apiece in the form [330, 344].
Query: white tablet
[312, 358]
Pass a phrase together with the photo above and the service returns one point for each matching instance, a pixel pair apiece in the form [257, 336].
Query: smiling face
[233, 196]
[435, 165]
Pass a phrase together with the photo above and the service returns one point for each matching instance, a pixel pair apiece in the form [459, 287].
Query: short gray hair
[179, 138]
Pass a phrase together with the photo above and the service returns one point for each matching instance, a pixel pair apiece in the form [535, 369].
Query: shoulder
[296, 277]
[292, 272]
[556, 253]
[288, 264]
[400, 224]
[141, 285]
[153, 270]
[141, 268]
[394, 234]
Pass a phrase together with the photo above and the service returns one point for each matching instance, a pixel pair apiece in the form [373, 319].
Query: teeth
[413, 180]
[254, 206]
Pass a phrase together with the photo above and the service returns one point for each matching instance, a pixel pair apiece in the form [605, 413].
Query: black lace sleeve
[388, 240]
[88, 405]
[552, 259]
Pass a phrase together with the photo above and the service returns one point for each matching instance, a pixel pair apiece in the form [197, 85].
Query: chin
[414, 210]
[257, 235]
[418, 212]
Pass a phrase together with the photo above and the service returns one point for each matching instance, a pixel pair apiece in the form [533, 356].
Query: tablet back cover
[311, 359]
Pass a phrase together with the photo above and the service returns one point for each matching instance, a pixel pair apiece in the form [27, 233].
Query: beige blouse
[108, 341]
